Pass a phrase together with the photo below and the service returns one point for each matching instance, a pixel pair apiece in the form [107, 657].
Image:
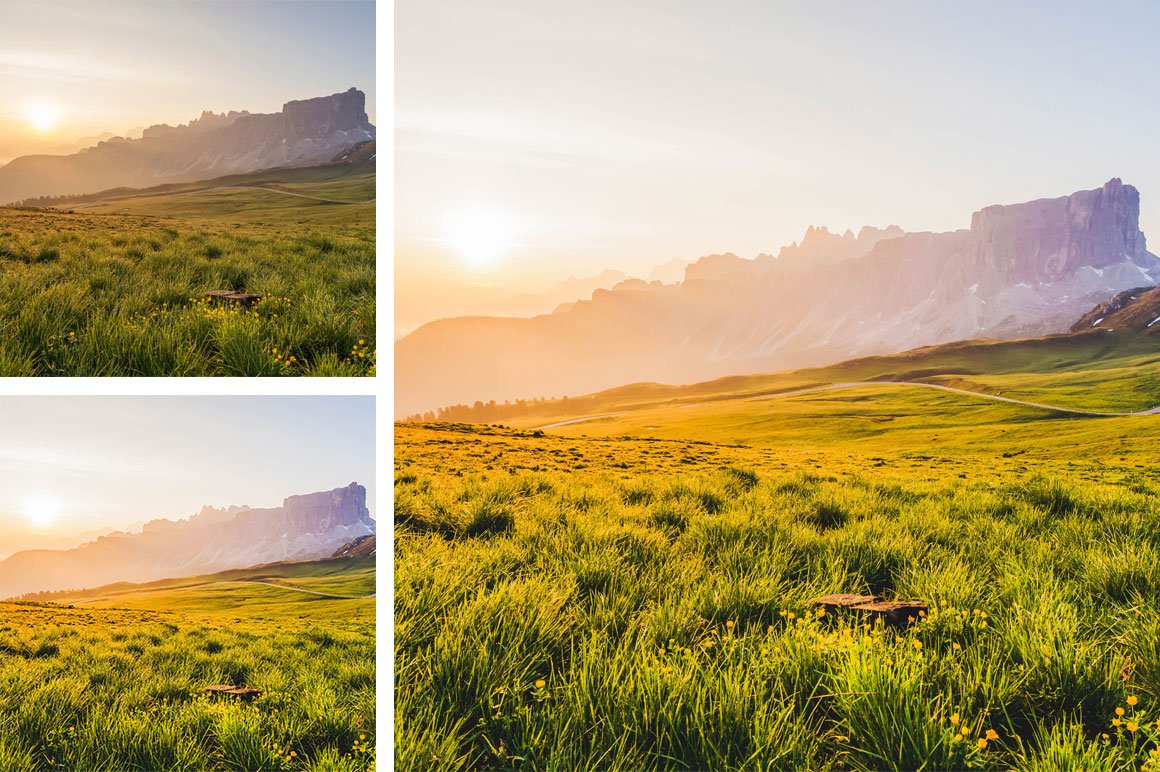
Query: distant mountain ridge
[306, 527]
[1020, 270]
[305, 132]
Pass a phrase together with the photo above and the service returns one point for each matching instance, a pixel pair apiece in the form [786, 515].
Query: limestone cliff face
[325, 115]
[309, 131]
[1049, 239]
[327, 509]
[306, 527]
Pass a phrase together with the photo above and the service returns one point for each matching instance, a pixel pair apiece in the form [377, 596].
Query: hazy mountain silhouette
[306, 527]
[432, 300]
[1023, 269]
[306, 132]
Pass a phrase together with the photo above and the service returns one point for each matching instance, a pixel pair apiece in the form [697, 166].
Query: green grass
[124, 295]
[654, 571]
[119, 683]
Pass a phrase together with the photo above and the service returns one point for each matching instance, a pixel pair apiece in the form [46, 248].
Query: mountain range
[1019, 270]
[305, 132]
[305, 527]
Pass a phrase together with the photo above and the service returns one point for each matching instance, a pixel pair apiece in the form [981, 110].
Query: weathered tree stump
[843, 600]
[895, 612]
[229, 296]
[225, 690]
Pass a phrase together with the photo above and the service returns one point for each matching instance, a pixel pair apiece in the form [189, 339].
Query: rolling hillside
[266, 590]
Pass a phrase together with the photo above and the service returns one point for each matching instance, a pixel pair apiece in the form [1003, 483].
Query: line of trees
[486, 412]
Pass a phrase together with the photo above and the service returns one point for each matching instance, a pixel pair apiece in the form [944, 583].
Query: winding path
[577, 421]
[90, 204]
[285, 193]
[234, 581]
[855, 384]
[953, 390]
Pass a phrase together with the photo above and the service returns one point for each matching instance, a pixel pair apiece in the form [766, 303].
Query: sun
[42, 116]
[40, 510]
[481, 238]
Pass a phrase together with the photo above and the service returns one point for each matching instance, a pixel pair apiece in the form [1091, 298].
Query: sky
[540, 140]
[74, 464]
[76, 69]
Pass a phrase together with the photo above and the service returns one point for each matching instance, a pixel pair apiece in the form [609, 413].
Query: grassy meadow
[114, 678]
[117, 286]
[634, 592]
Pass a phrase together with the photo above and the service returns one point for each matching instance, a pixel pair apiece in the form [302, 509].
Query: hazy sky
[77, 463]
[112, 66]
[569, 137]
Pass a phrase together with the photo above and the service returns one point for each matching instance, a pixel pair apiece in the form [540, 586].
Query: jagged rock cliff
[1023, 269]
[306, 527]
[819, 246]
[310, 131]
[1050, 239]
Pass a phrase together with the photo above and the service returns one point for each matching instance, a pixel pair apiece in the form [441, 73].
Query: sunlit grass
[93, 295]
[636, 603]
[110, 689]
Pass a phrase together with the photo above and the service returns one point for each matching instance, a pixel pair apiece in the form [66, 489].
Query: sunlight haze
[680, 130]
[74, 465]
[72, 72]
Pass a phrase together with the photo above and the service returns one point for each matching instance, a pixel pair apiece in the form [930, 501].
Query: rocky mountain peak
[819, 245]
[323, 116]
[1047, 239]
[313, 512]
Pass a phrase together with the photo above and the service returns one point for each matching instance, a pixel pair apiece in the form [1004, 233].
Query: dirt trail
[979, 394]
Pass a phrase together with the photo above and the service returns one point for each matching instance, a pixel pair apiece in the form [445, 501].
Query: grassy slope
[117, 684]
[353, 577]
[1099, 371]
[89, 293]
[644, 568]
[231, 198]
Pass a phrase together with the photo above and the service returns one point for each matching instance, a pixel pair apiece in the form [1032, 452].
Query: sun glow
[40, 510]
[481, 238]
[42, 116]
